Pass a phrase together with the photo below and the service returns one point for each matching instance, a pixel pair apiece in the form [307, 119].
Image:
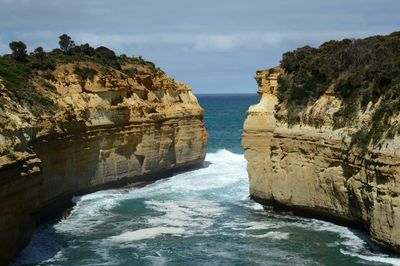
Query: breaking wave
[197, 216]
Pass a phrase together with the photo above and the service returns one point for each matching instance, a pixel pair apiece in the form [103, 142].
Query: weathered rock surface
[107, 131]
[315, 172]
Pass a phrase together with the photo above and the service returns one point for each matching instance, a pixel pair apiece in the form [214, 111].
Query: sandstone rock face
[107, 131]
[315, 172]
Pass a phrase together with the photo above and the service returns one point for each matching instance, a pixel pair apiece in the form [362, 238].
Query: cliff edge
[83, 122]
[324, 140]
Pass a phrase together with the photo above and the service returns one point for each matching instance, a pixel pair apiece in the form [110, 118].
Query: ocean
[199, 217]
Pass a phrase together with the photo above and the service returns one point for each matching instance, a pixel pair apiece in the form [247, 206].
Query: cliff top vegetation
[19, 68]
[363, 73]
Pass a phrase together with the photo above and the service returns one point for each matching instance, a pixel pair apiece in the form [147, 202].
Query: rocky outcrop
[102, 131]
[315, 171]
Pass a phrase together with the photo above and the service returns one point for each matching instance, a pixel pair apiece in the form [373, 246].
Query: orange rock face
[104, 131]
[314, 171]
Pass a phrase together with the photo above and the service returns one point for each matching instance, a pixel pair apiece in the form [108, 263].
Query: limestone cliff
[313, 167]
[98, 128]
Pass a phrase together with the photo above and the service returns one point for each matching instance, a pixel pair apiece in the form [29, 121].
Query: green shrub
[48, 76]
[50, 87]
[131, 72]
[16, 77]
[85, 73]
[19, 69]
[41, 61]
[10, 155]
[362, 71]
[107, 57]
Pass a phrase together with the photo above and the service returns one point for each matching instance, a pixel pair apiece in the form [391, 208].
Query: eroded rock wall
[103, 134]
[316, 172]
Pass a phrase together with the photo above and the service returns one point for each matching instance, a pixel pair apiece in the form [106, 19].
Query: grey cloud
[212, 45]
[201, 42]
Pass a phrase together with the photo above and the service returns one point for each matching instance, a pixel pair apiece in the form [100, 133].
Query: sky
[215, 46]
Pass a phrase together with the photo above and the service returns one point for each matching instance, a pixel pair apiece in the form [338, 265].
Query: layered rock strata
[316, 172]
[106, 131]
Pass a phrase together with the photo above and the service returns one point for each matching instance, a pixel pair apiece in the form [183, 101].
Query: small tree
[66, 43]
[41, 60]
[39, 53]
[18, 51]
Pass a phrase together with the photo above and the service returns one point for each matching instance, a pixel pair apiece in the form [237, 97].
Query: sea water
[200, 217]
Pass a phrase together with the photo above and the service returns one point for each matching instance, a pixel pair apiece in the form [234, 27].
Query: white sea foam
[376, 258]
[354, 241]
[147, 233]
[260, 225]
[249, 226]
[275, 235]
[207, 202]
[90, 211]
[157, 260]
[348, 236]
[225, 169]
[191, 214]
[253, 205]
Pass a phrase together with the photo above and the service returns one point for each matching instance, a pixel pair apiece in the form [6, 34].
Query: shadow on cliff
[202, 165]
[205, 164]
[45, 245]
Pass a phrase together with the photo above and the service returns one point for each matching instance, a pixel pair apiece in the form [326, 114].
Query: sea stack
[75, 123]
[324, 140]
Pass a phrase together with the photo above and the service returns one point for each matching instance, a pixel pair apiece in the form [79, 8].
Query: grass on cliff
[102, 56]
[17, 79]
[363, 72]
[18, 69]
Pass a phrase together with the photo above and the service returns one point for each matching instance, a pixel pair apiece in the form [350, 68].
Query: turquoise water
[201, 217]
